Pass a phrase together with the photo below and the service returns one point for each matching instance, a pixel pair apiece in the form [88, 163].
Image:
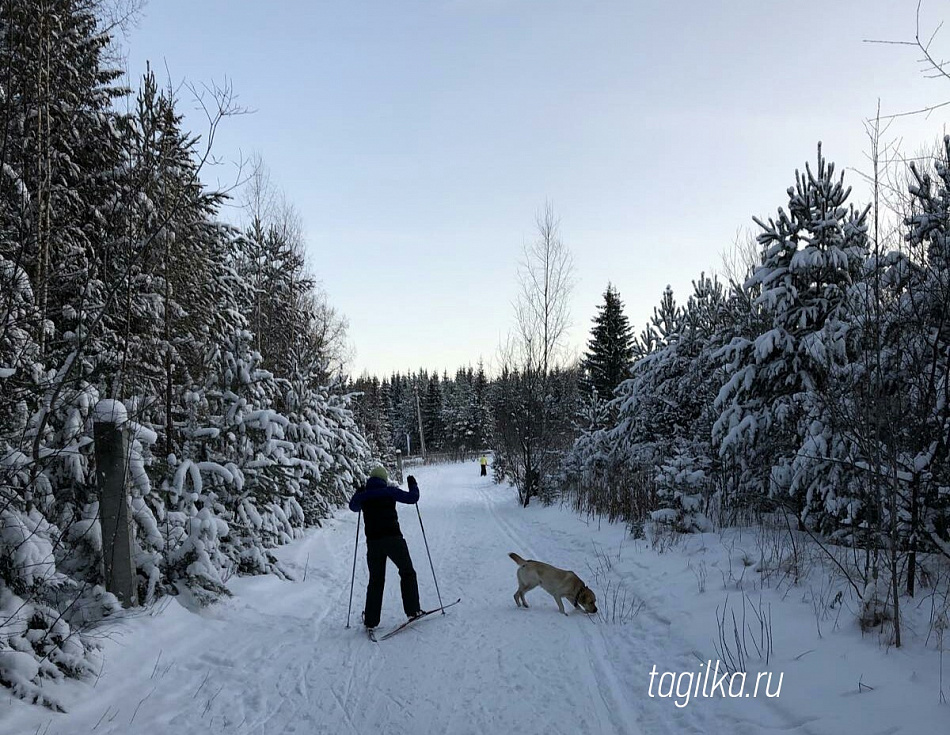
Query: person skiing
[484, 463]
[384, 540]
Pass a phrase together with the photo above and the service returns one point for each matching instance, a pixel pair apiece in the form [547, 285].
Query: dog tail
[517, 559]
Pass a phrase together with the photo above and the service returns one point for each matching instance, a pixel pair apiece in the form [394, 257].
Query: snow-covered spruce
[816, 385]
[138, 313]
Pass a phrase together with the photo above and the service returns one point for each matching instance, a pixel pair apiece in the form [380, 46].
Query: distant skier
[484, 463]
[385, 540]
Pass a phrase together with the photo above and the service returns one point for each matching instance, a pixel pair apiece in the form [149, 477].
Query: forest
[120, 280]
[807, 382]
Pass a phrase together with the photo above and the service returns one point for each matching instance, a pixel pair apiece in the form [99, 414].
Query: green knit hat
[380, 472]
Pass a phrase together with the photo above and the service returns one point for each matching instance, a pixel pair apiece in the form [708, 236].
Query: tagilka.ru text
[712, 680]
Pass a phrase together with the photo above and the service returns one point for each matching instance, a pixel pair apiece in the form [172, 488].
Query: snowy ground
[277, 658]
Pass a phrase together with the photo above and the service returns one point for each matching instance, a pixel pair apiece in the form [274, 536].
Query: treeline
[816, 386]
[456, 413]
[119, 280]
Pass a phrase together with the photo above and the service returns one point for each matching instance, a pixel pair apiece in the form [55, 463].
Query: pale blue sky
[418, 139]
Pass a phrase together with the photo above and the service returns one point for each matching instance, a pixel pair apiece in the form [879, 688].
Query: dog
[558, 583]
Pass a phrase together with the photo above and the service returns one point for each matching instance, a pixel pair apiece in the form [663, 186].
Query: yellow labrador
[556, 582]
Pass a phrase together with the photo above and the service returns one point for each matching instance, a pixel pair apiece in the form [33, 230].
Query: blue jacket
[378, 502]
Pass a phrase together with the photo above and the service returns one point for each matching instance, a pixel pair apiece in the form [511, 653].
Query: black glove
[411, 480]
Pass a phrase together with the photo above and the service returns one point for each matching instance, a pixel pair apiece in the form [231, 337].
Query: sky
[419, 140]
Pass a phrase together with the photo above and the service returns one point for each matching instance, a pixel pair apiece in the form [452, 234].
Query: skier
[384, 540]
[484, 463]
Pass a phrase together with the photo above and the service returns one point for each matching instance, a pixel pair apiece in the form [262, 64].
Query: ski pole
[441, 607]
[353, 576]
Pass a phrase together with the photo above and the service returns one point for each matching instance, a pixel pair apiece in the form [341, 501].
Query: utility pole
[422, 436]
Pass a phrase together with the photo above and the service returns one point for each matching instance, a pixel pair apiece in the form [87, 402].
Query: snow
[142, 433]
[277, 657]
[109, 411]
[18, 668]
[32, 552]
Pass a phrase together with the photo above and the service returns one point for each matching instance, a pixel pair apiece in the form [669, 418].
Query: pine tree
[62, 144]
[610, 349]
[480, 409]
[456, 398]
[432, 422]
[175, 284]
[118, 280]
[901, 409]
[58, 185]
[279, 301]
[811, 254]
[371, 411]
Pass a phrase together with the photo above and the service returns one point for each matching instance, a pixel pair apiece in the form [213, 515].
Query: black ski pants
[377, 552]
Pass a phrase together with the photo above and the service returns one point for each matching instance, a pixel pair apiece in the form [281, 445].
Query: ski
[405, 625]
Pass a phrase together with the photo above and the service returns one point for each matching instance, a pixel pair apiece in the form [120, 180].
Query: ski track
[277, 658]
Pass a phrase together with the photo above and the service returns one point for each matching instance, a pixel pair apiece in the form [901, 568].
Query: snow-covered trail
[277, 658]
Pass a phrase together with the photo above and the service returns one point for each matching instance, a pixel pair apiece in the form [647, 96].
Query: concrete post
[112, 465]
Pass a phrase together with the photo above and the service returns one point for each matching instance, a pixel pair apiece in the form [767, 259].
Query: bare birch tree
[542, 311]
[528, 425]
